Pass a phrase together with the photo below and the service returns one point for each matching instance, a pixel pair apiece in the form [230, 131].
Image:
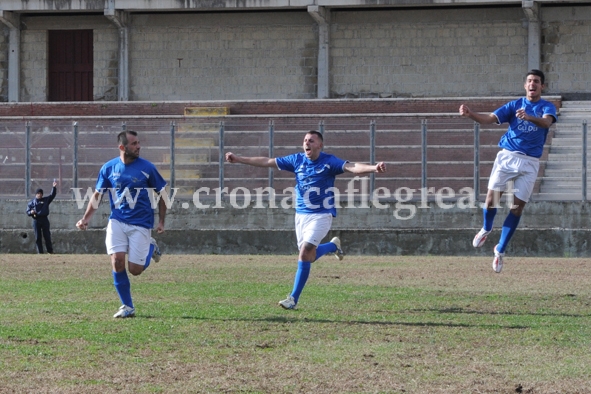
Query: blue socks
[507, 231]
[323, 249]
[300, 279]
[123, 287]
[489, 218]
[149, 258]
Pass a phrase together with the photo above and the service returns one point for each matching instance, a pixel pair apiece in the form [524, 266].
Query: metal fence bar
[476, 161]
[424, 159]
[75, 157]
[172, 156]
[271, 145]
[372, 155]
[28, 159]
[221, 158]
[584, 164]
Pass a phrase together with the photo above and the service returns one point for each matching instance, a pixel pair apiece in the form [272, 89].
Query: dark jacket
[40, 208]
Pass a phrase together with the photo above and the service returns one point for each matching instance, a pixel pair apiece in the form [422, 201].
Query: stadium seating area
[185, 142]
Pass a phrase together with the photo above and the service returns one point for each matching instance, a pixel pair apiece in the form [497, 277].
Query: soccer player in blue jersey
[529, 119]
[129, 180]
[315, 173]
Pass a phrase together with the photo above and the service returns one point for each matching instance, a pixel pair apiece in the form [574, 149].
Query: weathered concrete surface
[526, 242]
[546, 229]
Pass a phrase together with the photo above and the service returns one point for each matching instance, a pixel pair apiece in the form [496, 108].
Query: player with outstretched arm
[529, 119]
[128, 179]
[315, 173]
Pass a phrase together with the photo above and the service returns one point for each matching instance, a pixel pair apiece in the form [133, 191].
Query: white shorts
[516, 167]
[312, 227]
[133, 240]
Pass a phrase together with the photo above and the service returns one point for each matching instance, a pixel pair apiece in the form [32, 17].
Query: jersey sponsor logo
[321, 169]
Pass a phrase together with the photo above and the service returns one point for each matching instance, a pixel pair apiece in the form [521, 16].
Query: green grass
[364, 325]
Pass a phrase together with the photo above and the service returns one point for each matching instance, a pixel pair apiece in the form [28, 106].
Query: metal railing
[426, 152]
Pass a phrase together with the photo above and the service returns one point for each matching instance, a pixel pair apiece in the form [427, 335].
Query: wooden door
[70, 65]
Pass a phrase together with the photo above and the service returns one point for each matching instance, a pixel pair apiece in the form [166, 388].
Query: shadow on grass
[292, 320]
[475, 312]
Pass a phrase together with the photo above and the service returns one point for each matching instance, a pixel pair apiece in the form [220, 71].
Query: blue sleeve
[102, 181]
[550, 109]
[337, 165]
[505, 113]
[286, 163]
[156, 180]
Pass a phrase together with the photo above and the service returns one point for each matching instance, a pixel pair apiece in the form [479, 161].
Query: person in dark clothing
[38, 209]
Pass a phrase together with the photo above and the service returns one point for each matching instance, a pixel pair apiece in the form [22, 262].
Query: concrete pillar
[120, 19]
[12, 20]
[534, 34]
[322, 16]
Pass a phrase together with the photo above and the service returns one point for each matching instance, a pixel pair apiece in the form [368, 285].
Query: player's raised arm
[361, 168]
[251, 161]
[466, 112]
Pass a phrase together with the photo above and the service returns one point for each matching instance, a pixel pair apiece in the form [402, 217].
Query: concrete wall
[224, 56]
[470, 51]
[4, 31]
[34, 54]
[566, 50]
[413, 53]
[546, 229]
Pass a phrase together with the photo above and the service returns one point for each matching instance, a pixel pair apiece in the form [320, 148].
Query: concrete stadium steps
[562, 177]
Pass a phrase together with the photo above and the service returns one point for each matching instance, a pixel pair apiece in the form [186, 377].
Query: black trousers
[41, 228]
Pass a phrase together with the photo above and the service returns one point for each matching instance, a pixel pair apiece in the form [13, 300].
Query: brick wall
[261, 107]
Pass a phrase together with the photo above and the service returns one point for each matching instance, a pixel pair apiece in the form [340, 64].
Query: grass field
[211, 324]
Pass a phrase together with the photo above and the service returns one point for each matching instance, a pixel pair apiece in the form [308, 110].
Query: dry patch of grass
[368, 324]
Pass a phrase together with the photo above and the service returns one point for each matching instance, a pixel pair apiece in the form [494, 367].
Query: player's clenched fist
[82, 224]
[230, 157]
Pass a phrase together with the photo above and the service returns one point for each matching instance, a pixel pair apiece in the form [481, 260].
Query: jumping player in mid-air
[315, 173]
[529, 119]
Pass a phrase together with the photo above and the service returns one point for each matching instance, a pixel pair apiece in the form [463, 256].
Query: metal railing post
[221, 158]
[476, 161]
[424, 160]
[75, 157]
[584, 164]
[372, 155]
[172, 157]
[321, 127]
[271, 145]
[27, 159]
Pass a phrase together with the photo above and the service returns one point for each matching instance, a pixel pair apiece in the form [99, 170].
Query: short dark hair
[122, 137]
[317, 133]
[537, 73]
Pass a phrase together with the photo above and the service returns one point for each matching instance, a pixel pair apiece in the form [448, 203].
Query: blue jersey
[523, 136]
[130, 184]
[314, 181]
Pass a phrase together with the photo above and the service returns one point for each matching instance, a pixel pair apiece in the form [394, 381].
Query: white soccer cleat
[498, 261]
[339, 253]
[288, 303]
[125, 311]
[480, 238]
[156, 254]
